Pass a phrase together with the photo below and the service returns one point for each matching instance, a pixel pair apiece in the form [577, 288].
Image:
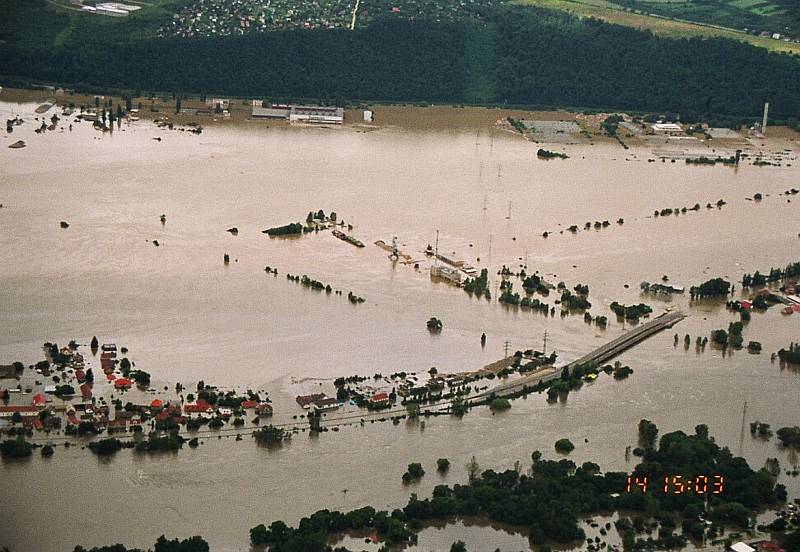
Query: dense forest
[518, 55]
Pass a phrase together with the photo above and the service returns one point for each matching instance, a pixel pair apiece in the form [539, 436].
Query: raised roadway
[600, 355]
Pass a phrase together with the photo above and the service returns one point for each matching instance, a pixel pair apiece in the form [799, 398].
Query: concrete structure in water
[764, 120]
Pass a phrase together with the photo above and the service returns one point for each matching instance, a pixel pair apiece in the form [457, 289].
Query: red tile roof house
[201, 407]
[122, 383]
[264, 409]
[767, 546]
[249, 404]
[379, 399]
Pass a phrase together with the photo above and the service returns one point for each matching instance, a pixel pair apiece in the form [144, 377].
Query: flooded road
[186, 316]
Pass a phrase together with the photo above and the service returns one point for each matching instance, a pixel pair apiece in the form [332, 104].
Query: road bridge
[599, 356]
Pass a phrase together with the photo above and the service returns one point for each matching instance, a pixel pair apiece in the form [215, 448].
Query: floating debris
[234, 231]
[17, 145]
[64, 224]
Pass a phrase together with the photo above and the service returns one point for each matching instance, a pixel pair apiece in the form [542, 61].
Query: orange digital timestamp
[680, 484]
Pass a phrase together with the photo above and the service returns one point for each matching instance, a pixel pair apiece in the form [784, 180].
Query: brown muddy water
[185, 316]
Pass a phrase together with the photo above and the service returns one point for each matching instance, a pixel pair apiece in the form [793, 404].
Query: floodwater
[185, 316]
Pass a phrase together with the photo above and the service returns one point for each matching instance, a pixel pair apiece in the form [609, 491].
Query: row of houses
[412, 386]
[201, 408]
[322, 403]
[40, 415]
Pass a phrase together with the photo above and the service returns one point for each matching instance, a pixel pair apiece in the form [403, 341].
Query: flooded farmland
[187, 316]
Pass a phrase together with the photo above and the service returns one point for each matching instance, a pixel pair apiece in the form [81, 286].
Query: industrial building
[113, 9]
[667, 128]
[300, 113]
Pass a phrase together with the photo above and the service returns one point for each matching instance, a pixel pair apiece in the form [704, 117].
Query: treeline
[775, 274]
[538, 58]
[192, 544]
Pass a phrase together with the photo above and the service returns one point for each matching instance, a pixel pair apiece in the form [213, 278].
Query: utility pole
[436, 251]
[741, 435]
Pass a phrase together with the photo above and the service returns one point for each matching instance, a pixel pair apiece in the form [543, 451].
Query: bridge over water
[600, 355]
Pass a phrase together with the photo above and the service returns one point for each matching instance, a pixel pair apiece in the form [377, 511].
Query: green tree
[473, 468]
[647, 433]
[499, 403]
[564, 446]
[458, 546]
[416, 470]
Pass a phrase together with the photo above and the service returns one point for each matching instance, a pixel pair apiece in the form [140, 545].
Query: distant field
[614, 13]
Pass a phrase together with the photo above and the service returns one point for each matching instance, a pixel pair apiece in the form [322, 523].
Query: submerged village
[94, 396]
[105, 395]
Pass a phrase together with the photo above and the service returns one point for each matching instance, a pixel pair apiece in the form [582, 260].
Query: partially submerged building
[300, 113]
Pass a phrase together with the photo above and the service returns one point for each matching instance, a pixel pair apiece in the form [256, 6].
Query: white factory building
[300, 113]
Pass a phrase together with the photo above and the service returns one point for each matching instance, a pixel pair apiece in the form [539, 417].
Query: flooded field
[186, 316]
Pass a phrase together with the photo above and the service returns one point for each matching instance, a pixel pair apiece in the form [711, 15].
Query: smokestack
[764, 121]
